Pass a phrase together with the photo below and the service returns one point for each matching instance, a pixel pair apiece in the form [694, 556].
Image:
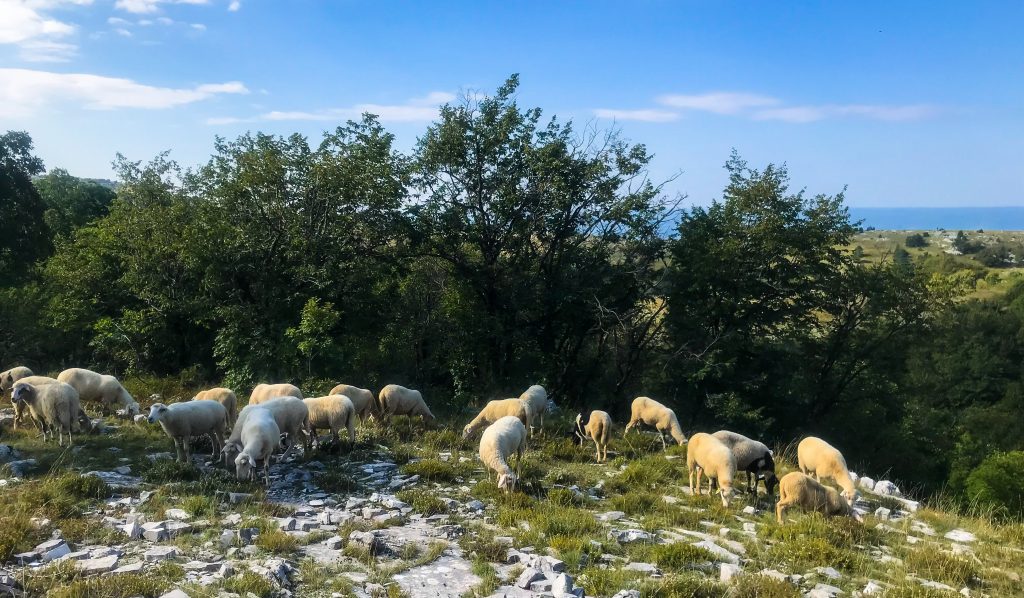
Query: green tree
[72, 202]
[24, 237]
[916, 240]
[314, 336]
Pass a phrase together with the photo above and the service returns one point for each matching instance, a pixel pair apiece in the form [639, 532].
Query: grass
[423, 501]
[436, 470]
[929, 562]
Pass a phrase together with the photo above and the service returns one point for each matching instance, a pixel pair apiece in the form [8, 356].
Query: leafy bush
[679, 556]
[999, 482]
[436, 470]
[423, 501]
[16, 535]
[916, 240]
[164, 471]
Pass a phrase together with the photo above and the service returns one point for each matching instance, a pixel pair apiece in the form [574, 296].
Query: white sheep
[362, 399]
[259, 438]
[709, 456]
[224, 396]
[291, 415]
[822, 460]
[497, 409]
[598, 428]
[191, 419]
[538, 399]
[399, 400]
[7, 380]
[264, 392]
[54, 406]
[753, 457]
[334, 412]
[801, 490]
[646, 410]
[101, 388]
[501, 440]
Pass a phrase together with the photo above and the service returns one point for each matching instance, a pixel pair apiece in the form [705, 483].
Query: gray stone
[475, 505]
[132, 530]
[52, 549]
[137, 567]
[886, 488]
[227, 538]
[160, 553]
[647, 568]
[562, 585]
[872, 588]
[549, 564]
[21, 467]
[97, 565]
[178, 514]
[719, 552]
[175, 593]
[611, 516]
[822, 590]
[960, 535]
[201, 566]
[866, 483]
[334, 542]
[238, 497]
[627, 594]
[630, 535]
[226, 570]
[727, 571]
[883, 513]
[828, 572]
[367, 540]
[528, 576]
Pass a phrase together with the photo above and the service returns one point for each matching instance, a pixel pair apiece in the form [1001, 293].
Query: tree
[72, 202]
[916, 240]
[24, 237]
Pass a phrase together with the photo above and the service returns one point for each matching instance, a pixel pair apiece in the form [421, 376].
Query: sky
[905, 104]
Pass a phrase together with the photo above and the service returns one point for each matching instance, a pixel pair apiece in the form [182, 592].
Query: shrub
[423, 501]
[679, 556]
[164, 471]
[336, 482]
[916, 240]
[648, 473]
[249, 582]
[16, 535]
[999, 482]
[933, 563]
[762, 586]
[436, 470]
[635, 503]
[565, 497]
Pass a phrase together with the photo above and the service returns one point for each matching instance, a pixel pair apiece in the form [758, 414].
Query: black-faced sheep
[501, 440]
[707, 455]
[822, 460]
[801, 490]
[264, 392]
[753, 457]
[191, 419]
[54, 406]
[399, 400]
[224, 396]
[101, 388]
[646, 410]
[259, 438]
[333, 412]
[598, 428]
[495, 410]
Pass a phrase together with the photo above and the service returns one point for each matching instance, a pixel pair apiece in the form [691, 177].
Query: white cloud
[150, 6]
[24, 92]
[38, 35]
[720, 102]
[652, 116]
[421, 109]
[164, 21]
[46, 51]
[234, 6]
[118, 21]
[198, 26]
[123, 32]
[806, 114]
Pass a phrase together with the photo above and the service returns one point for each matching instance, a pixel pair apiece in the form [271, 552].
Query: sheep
[55, 406]
[495, 410]
[224, 396]
[22, 411]
[399, 400]
[822, 460]
[797, 488]
[184, 421]
[291, 415]
[538, 399]
[333, 412]
[709, 456]
[259, 437]
[599, 428]
[362, 399]
[100, 388]
[753, 457]
[7, 380]
[647, 411]
[264, 392]
[498, 443]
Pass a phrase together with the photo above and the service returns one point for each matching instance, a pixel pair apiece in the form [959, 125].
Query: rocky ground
[418, 520]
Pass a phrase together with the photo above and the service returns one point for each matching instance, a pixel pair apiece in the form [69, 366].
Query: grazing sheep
[264, 392]
[799, 489]
[538, 399]
[599, 428]
[501, 440]
[362, 399]
[54, 406]
[224, 396]
[495, 410]
[184, 421]
[753, 457]
[647, 411]
[7, 380]
[709, 456]
[334, 412]
[101, 388]
[259, 438]
[822, 460]
[291, 415]
[399, 400]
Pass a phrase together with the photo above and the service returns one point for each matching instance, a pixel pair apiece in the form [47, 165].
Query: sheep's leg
[178, 451]
[780, 510]
[664, 446]
[700, 474]
[351, 430]
[691, 481]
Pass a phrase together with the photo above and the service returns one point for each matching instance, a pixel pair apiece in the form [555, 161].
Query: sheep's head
[244, 466]
[157, 411]
[22, 392]
[7, 382]
[850, 494]
[770, 482]
[230, 448]
[467, 431]
[133, 409]
[727, 492]
[507, 481]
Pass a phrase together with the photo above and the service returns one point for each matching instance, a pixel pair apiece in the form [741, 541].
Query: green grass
[423, 501]
[928, 562]
[436, 470]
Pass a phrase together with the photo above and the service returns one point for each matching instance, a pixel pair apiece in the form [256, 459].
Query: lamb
[333, 412]
[100, 388]
[224, 396]
[709, 456]
[495, 410]
[599, 428]
[362, 399]
[647, 411]
[802, 490]
[264, 392]
[753, 457]
[822, 460]
[291, 416]
[55, 407]
[499, 442]
[184, 421]
[259, 438]
[399, 400]
[538, 399]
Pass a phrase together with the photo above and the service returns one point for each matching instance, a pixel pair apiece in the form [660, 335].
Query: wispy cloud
[24, 92]
[421, 109]
[234, 6]
[651, 116]
[198, 26]
[762, 107]
[30, 26]
[150, 6]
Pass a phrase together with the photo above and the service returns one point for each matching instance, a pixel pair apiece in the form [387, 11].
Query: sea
[995, 218]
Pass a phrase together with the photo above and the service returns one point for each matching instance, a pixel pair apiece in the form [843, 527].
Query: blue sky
[909, 104]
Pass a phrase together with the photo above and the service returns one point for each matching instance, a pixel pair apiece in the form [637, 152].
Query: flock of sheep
[279, 416]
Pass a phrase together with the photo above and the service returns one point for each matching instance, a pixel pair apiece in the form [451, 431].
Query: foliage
[24, 237]
[916, 240]
[999, 481]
